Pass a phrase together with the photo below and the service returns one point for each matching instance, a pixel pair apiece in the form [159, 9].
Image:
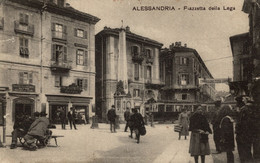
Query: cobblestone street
[159, 145]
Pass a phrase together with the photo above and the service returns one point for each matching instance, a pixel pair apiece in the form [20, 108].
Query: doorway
[24, 106]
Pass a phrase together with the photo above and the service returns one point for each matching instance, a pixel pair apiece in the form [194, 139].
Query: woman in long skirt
[199, 144]
[184, 122]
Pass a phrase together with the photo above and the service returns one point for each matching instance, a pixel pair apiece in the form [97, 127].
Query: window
[184, 79]
[25, 78]
[136, 71]
[184, 61]
[24, 50]
[83, 83]
[24, 19]
[58, 30]
[148, 72]
[60, 3]
[80, 33]
[184, 97]
[134, 50]
[136, 93]
[82, 57]
[58, 81]
[148, 53]
[59, 53]
[169, 108]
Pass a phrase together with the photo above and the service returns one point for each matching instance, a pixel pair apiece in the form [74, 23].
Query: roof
[129, 35]
[51, 7]
[186, 49]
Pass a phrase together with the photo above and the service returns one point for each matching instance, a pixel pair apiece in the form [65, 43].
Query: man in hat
[21, 126]
[72, 117]
[216, 130]
[111, 115]
[37, 130]
[127, 118]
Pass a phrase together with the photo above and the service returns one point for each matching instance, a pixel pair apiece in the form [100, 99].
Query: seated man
[21, 126]
[37, 130]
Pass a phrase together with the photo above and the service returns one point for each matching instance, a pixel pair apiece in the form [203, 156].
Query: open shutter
[21, 18]
[65, 53]
[30, 76]
[177, 60]
[145, 72]
[134, 93]
[20, 77]
[187, 61]
[75, 32]
[53, 52]
[26, 19]
[64, 29]
[77, 61]
[188, 79]
[141, 71]
[85, 84]
[53, 26]
[179, 79]
[86, 58]
[85, 34]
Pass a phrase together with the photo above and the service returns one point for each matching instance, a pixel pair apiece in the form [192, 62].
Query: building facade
[248, 47]
[181, 68]
[127, 67]
[242, 64]
[47, 56]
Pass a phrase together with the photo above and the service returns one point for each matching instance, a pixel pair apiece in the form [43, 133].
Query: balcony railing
[59, 35]
[61, 66]
[24, 29]
[150, 60]
[1, 22]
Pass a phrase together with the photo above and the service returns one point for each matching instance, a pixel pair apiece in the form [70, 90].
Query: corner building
[47, 58]
[127, 68]
[181, 68]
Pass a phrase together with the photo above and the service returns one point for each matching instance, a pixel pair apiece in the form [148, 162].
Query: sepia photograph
[130, 81]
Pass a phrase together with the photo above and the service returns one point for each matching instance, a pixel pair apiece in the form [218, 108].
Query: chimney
[127, 28]
[176, 44]
[185, 45]
[179, 44]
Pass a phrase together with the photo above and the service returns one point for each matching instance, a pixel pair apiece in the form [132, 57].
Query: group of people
[246, 131]
[133, 120]
[31, 129]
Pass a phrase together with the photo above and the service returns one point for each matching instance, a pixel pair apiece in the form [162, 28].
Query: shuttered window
[24, 19]
[82, 57]
[59, 53]
[24, 47]
[25, 78]
[136, 69]
[58, 81]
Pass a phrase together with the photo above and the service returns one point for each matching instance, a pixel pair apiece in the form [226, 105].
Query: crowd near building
[51, 59]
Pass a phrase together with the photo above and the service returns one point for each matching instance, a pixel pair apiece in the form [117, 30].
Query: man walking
[111, 115]
[71, 117]
[216, 129]
[63, 118]
[127, 118]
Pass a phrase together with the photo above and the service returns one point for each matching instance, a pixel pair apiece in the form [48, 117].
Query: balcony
[27, 29]
[1, 23]
[138, 58]
[61, 66]
[59, 35]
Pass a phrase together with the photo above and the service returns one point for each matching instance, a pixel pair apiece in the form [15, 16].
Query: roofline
[64, 11]
[185, 49]
[130, 36]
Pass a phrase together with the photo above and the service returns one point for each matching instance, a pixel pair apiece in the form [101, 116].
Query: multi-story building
[246, 52]
[127, 67]
[47, 58]
[242, 64]
[181, 68]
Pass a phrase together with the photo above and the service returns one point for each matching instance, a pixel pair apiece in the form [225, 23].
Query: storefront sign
[23, 88]
[71, 89]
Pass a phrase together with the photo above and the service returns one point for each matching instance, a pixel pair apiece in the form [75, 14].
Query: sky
[207, 31]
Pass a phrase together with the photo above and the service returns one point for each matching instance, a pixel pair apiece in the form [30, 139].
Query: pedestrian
[248, 127]
[138, 123]
[184, 123]
[20, 128]
[127, 118]
[63, 118]
[216, 130]
[227, 133]
[199, 144]
[131, 123]
[72, 117]
[37, 131]
[84, 119]
[111, 115]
